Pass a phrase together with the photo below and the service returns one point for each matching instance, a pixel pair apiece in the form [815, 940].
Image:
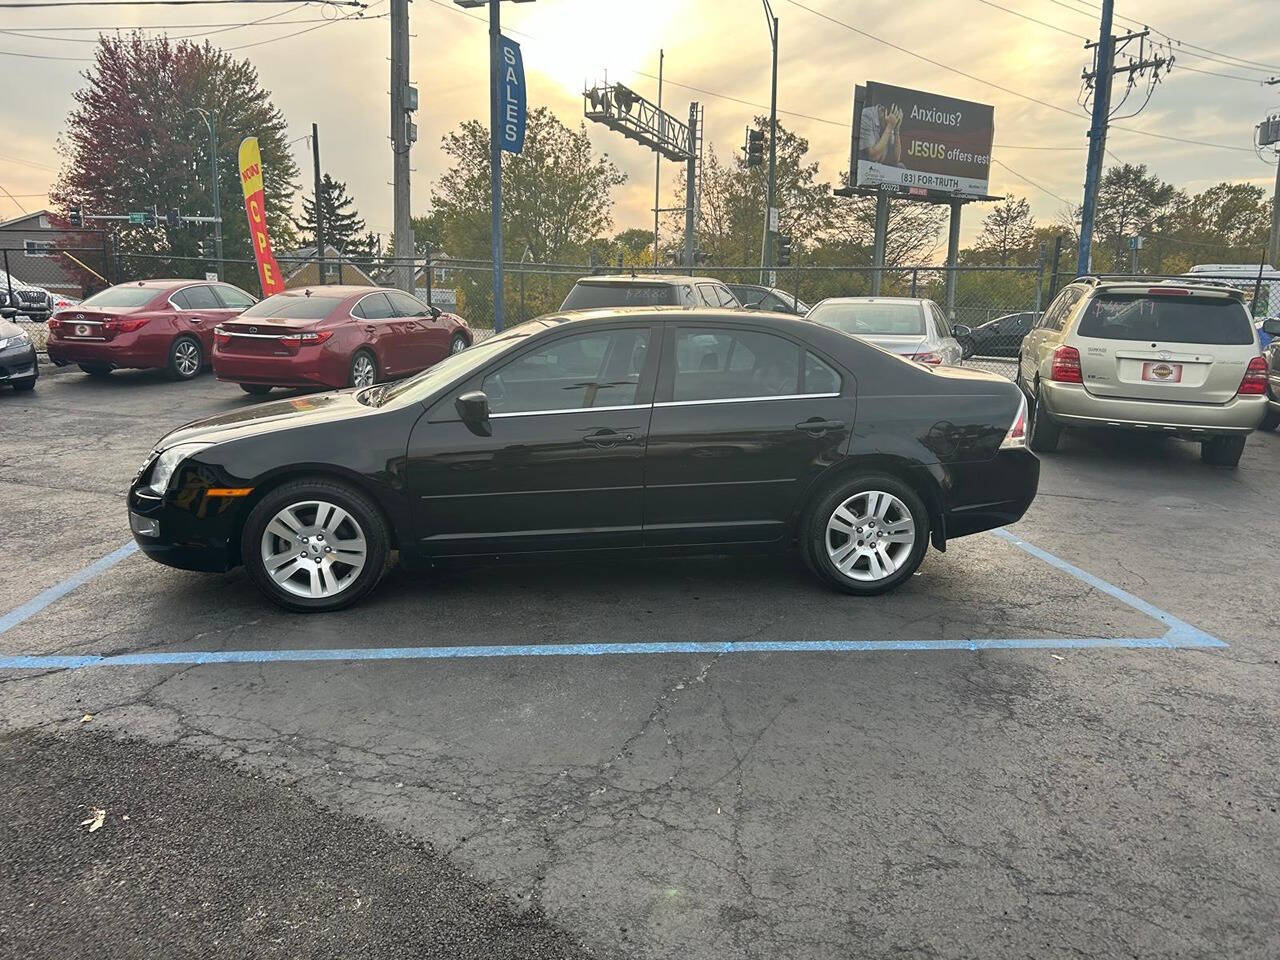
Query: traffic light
[784, 251]
[206, 249]
[755, 147]
[173, 219]
[150, 217]
[76, 217]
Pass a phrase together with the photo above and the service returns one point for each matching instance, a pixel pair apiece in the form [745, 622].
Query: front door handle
[608, 438]
[816, 425]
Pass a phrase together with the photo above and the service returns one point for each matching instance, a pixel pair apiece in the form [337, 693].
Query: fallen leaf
[86, 718]
[96, 820]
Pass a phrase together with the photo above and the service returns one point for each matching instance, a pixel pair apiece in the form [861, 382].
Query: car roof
[876, 300]
[647, 278]
[686, 316]
[1158, 285]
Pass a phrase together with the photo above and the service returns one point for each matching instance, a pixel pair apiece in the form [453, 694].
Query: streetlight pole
[495, 159]
[766, 248]
[211, 120]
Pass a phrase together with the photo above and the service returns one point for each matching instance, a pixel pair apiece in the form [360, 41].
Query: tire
[1044, 432]
[835, 556]
[1222, 451]
[458, 344]
[186, 358]
[24, 386]
[297, 579]
[256, 389]
[94, 370]
[1271, 420]
[357, 375]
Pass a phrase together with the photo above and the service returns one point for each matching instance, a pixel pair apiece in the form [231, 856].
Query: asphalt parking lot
[1057, 742]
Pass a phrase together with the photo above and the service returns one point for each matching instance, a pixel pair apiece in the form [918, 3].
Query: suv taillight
[1254, 382]
[1066, 366]
[1016, 438]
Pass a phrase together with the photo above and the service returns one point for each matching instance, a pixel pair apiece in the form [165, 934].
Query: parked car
[164, 324]
[334, 336]
[651, 290]
[1000, 337]
[752, 295]
[645, 432]
[1161, 357]
[913, 328]
[18, 367]
[30, 302]
[1270, 327]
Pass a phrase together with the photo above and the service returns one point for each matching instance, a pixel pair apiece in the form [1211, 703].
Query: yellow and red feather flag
[255, 207]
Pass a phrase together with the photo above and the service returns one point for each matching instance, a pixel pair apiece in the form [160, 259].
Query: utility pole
[1104, 70]
[691, 186]
[1269, 135]
[770, 209]
[318, 208]
[404, 100]
[211, 120]
[657, 164]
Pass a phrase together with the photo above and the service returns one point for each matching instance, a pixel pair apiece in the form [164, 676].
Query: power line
[30, 163]
[1024, 177]
[42, 4]
[26, 33]
[1043, 23]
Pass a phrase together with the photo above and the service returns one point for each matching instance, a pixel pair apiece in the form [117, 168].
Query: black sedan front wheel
[867, 535]
[315, 545]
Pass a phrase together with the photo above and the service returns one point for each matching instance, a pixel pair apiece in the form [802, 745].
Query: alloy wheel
[458, 345]
[362, 371]
[186, 358]
[870, 536]
[313, 549]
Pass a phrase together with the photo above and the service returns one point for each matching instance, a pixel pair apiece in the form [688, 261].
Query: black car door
[563, 468]
[744, 419]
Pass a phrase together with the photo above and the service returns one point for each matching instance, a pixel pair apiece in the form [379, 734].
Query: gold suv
[1157, 356]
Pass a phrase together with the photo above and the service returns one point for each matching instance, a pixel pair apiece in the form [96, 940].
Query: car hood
[318, 408]
[9, 329]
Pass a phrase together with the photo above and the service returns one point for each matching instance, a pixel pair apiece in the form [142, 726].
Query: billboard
[921, 141]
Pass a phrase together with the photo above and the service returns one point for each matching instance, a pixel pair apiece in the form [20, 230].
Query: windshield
[458, 365]
[293, 306]
[591, 296]
[1136, 316]
[121, 297]
[861, 317]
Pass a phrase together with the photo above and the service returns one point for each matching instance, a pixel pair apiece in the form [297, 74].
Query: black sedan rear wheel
[866, 535]
[315, 545]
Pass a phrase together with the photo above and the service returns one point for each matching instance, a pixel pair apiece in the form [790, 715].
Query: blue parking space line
[37, 603]
[1179, 634]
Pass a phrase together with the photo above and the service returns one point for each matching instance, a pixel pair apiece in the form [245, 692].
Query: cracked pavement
[1003, 803]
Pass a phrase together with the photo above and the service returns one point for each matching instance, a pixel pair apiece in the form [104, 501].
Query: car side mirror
[435, 312]
[961, 330]
[964, 336]
[1271, 327]
[473, 408]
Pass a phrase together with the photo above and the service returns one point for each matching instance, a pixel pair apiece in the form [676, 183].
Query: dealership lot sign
[922, 141]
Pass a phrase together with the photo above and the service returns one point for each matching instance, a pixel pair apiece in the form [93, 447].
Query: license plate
[1159, 371]
[82, 330]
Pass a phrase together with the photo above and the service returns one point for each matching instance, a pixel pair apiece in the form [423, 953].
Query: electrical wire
[188, 36]
[1025, 178]
[42, 4]
[30, 163]
[1043, 23]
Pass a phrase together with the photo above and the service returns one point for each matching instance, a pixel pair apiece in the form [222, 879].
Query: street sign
[773, 219]
[211, 275]
[138, 218]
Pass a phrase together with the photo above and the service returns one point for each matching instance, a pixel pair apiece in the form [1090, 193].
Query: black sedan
[1001, 337]
[646, 430]
[18, 366]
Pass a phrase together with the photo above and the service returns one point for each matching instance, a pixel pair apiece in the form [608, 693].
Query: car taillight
[1066, 366]
[1017, 435]
[1254, 381]
[295, 341]
[927, 356]
[220, 337]
[126, 325]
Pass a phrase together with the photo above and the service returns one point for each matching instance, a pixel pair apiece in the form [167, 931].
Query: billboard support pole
[882, 230]
[953, 255]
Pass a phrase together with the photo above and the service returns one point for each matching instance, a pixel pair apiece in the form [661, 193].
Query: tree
[135, 139]
[1008, 233]
[342, 225]
[556, 194]
[1131, 202]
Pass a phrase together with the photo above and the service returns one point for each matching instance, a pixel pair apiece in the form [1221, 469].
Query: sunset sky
[336, 75]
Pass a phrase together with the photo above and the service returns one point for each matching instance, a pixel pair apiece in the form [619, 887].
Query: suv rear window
[1136, 316]
[591, 296]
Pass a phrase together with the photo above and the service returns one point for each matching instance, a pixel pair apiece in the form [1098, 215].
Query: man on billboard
[879, 139]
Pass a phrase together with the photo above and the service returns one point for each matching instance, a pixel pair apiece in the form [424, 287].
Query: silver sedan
[909, 326]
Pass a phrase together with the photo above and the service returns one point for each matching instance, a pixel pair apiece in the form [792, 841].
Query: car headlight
[18, 341]
[168, 462]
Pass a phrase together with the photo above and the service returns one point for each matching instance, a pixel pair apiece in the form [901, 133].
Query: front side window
[600, 369]
[717, 364]
[406, 305]
[727, 299]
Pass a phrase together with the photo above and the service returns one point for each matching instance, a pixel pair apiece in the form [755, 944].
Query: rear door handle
[815, 425]
[196, 319]
[608, 438]
[370, 328]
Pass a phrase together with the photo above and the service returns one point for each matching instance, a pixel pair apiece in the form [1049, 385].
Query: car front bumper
[18, 364]
[1073, 406]
[179, 538]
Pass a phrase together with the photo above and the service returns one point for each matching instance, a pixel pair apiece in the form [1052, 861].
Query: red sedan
[334, 337]
[166, 324]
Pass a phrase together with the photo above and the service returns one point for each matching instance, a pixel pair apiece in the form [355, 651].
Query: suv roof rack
[1096, 279]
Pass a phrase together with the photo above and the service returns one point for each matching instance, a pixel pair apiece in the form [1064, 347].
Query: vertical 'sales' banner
[256, 209]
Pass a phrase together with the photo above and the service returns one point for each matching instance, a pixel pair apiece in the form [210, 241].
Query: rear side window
[593, 296]
[713, 364]
[197, 298]
[376, 306]
[1136, 316]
